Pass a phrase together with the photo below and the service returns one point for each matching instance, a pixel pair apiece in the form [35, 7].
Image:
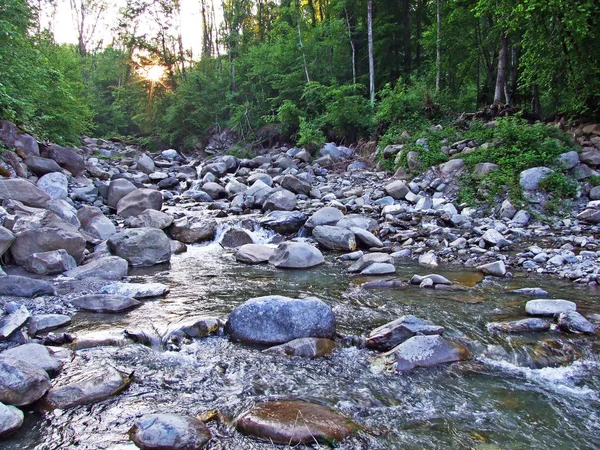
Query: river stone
[21, 383]
[358, 221]
[335, 238]
[23, 191]
[150, 218]
[542, 307]
[295, 422]
[284, 222]
[169, 432]
[520, 326]
[41, 323]
[11, 419]
[424, 351]
[67, 159]
[379, 269]
[254, 253]
[507, 210]
[65, 211]
[368, 259]
[391, 334]
[296, 255]
[36, 355]
[573, 322]
[295, 185]
[191, 229]
[396, 189]
[18, 286]
[324, 216]
[141, 247]
[280, 200]
[305, 348]
[366, 238]
[105, 303]
[536, 292]
[89, 387]
[136, 202]
[215, 190]
[13, 322]
[496, 269]
[196, 327]
[234, 188]
[494, 237]
[54, 184]
[135, 290]
[94, 222]
[105, 268]
[44, 232]
[428, 259]
[275, 319]
[235, 237]
[436, 279]
[590, 215]
[48, 263]
[117, 189]
[41, 166]
[145, 164]
[530, 179]
[6, 240]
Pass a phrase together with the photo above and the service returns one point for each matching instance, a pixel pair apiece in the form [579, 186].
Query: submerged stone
[573, 322]
[305, 347]
[520, 326]
[169, 432]
[105, 303]
[394, 333]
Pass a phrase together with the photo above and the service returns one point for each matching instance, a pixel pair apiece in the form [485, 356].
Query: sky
[65, 30]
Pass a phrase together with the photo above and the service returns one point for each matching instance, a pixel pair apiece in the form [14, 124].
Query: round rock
[11, 419]
[21, 383]
[296, 255]
[169, 432]
[549, 307]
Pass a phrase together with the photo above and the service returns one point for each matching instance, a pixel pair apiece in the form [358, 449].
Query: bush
[310, 135]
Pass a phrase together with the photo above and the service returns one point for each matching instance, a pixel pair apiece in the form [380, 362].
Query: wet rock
[520, 326]
[45, 232]
[429, 259]
[169, 432]
[136, 202]
[67, 159]
[366, 238]
[493, 237]
[295, 422]
[94, 222]
[104, 338]
[41, 166]
[90, 387]
[549, 307]
[368, 259]
[254, 253]
[296, 255]
[135, 290]
[105, 303]
[394, 333]
[196, 327]
[378, 268]
[42, 323]
[284, 222]
[13, 322]
[275, 319]
[48, 263]
[191, 229]
[496, 269]
[436, 279]
[354, 256]
[105, 268]
[6, 240]
[18, 286]
[335, 238]
[235, 237]
[324, 216]
[141, 247]
[573, 322]
[11, 419]
[36, 355]
[549, 353]
[281, 200]
[295, 185]
[117, 189]
[21, 383]
[23, 191]
[150, 218]
[424, 351]
[536, 292]
[305, 348]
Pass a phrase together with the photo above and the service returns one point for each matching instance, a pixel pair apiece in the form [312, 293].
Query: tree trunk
[406, 25]
[502, 69]
[353, 48]
[302, 47]
[438, 44]
[536, 105]
[371, 62]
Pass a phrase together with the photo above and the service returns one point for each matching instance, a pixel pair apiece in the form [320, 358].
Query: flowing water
[491, 402]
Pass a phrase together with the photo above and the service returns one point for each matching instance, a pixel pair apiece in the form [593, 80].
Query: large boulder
[65, 158]
[23, 191]
[117, 189]
[191, 229]
[295, 422]
[21, 383]
[136, 202]
[42, 323]
[49, 263]
[397, 190]
[11, 419]
[145, 164]
[530, 179]
[236, 237]
[37, 355]
[295, 185]
[136, 290]
[215, 190]
[44, 232]
[54, 184]
[327, 215]
[296, 255]
[335, 238]
[105, 303]
[150, 218]
[280, 200]
[13, 322]
[169, 432]
[275, 319]
[17, 286]
[41, 166]
[394, 333]
[106, 268]
[141, 246]
[543, 307]
[284, 222]
[254, 253]
[94, 222]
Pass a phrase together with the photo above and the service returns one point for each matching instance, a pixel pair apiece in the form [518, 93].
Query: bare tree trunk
[302, 47]
[371, 62]
[406, 26]
[536, 105]
[502, 69]
[438, 59]
[353, 48]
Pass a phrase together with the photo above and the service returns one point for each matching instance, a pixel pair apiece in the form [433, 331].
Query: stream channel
[498, 400]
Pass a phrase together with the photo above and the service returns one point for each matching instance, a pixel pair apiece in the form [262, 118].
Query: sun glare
[152, 73]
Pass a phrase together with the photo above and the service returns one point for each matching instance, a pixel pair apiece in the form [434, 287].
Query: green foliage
[594, 180]
[559, 185]
[310, 135]
[241, 152]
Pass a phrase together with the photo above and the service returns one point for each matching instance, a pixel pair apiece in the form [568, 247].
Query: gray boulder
[530, 178]
[368, 259]
[152, 219]
[94, 222]
[254, 253]
[42, 323]
[87, 194]
[568, 160]
[117, 189]
[397, 190]
[21, 383]
[236, 237]
[11, 419]
[309, 347]
[327, 215]
[67, 159]
[191, 229]
[573, 322]
[284, 222]
[13, 322]
[520, 326]
[391, 334]
[497, 269]
[145, 164]
[23, 191]
[6, 240]
[357, 221]
[296, 255]
[542, 307]
[169, 432]
[27, 145]
[41, 166]
[365, 238]
[49, 263]
[281, 200]
[136, 202]
[17, 286]
[54, 184]
[276, 319]
[215, 190]
[136, 290]
[105, 303]
[295, 185]
[65, 211]
[37, 355]
[483, 169]
[590, 155]
[379, 269]
[105, 268]
[335, 238]
[141, 246]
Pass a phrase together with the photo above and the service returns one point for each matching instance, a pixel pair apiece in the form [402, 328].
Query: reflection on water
[489, 403]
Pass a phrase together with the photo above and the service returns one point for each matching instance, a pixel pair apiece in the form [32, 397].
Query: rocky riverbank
[77, 221]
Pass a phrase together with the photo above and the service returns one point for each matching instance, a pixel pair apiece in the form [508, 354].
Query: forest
[304, 72]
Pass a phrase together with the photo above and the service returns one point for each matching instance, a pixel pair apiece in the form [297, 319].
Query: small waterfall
[259, 234]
